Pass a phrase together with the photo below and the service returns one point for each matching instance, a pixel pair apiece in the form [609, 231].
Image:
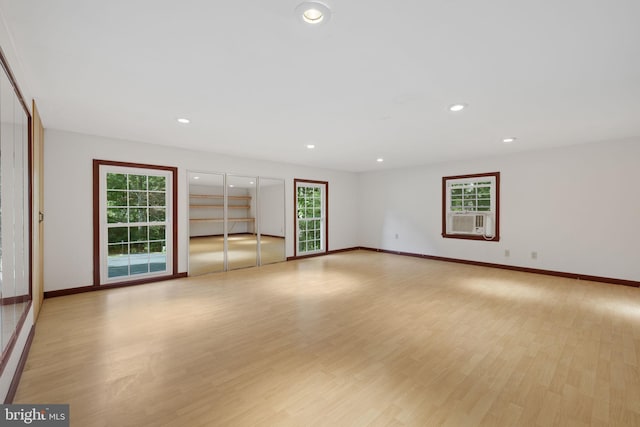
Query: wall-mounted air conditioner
[471, 223]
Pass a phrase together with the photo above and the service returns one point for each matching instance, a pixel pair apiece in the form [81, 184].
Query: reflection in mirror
[242, 242]
[14, 210]
[271, 220]
[206, 223]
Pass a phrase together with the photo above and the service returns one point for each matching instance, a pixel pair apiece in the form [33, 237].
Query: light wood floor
[352, 339]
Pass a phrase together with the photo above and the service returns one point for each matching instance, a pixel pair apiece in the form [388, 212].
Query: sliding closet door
[271, 220]
[242, 242]
[14, 215]
[206, 223]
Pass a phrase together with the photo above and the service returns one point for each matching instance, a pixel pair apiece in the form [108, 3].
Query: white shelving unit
[209, 209]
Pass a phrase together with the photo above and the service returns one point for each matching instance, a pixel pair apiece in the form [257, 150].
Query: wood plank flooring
[353, 339]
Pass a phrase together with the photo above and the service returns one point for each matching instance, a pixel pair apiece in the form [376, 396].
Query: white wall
[577, 207]
[68, 197]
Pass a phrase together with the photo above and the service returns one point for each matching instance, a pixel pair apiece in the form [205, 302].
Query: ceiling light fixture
[509, 140]
[313, 13]
[184, 121]
[457, 107]
[196, 177]
[311, 146]
[379, 160]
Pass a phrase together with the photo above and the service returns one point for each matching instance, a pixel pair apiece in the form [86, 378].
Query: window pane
[138, 234]
[137, 198]
[138, 215]
[157, 215]
[116, 198]
[157, 183]
[118, 249]
[140, 265]
[302, 246]
[484, 192]
[118, 266]
[157, 199]
[158, 262]
[116, 181]
[139, 258]
[139, 249]
[158, 247]
[316, 213]
[138, 182]
[157, 232]
[302, 225]
[118, 234]
[116, 215]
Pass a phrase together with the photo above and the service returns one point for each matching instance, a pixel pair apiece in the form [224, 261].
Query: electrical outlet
[534, 255]
[507, 252]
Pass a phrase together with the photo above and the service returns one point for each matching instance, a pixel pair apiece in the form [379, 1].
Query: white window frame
[104, 226]
[324, 188]
[484, 223]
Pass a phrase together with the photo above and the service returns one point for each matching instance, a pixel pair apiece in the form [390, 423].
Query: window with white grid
[310, 217]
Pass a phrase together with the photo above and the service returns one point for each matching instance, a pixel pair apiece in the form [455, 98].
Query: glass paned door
[136, 223]
[310, 217]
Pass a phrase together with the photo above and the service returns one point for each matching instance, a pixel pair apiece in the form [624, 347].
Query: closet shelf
[222, 220]
[220, 206]
[218, 196]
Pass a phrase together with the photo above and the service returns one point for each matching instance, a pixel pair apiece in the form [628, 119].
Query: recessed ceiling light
[313, 12]
[457, 107]
[196, 177]
[509, 140]
[311, 146]
[230, 185]
[184, 121]
[312, 16]
[379, 160]
[251, 182]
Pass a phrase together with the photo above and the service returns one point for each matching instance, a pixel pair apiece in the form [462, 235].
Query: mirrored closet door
[271, 220]
[206, 223]
[242, 241]
[234, 222]
[14, 214]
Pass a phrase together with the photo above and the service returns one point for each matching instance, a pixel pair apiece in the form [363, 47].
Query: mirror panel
[14, 211]
[206, 223]
[242, 241]
[271, 212]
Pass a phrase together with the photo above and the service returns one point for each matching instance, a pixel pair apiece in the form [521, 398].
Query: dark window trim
[295, 214]
[496, 237]
[96, 217]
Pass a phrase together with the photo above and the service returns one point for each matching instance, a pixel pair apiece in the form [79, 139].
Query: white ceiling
[375, 81]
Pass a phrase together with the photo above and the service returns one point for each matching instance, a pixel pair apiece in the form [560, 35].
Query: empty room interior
[320, 213]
